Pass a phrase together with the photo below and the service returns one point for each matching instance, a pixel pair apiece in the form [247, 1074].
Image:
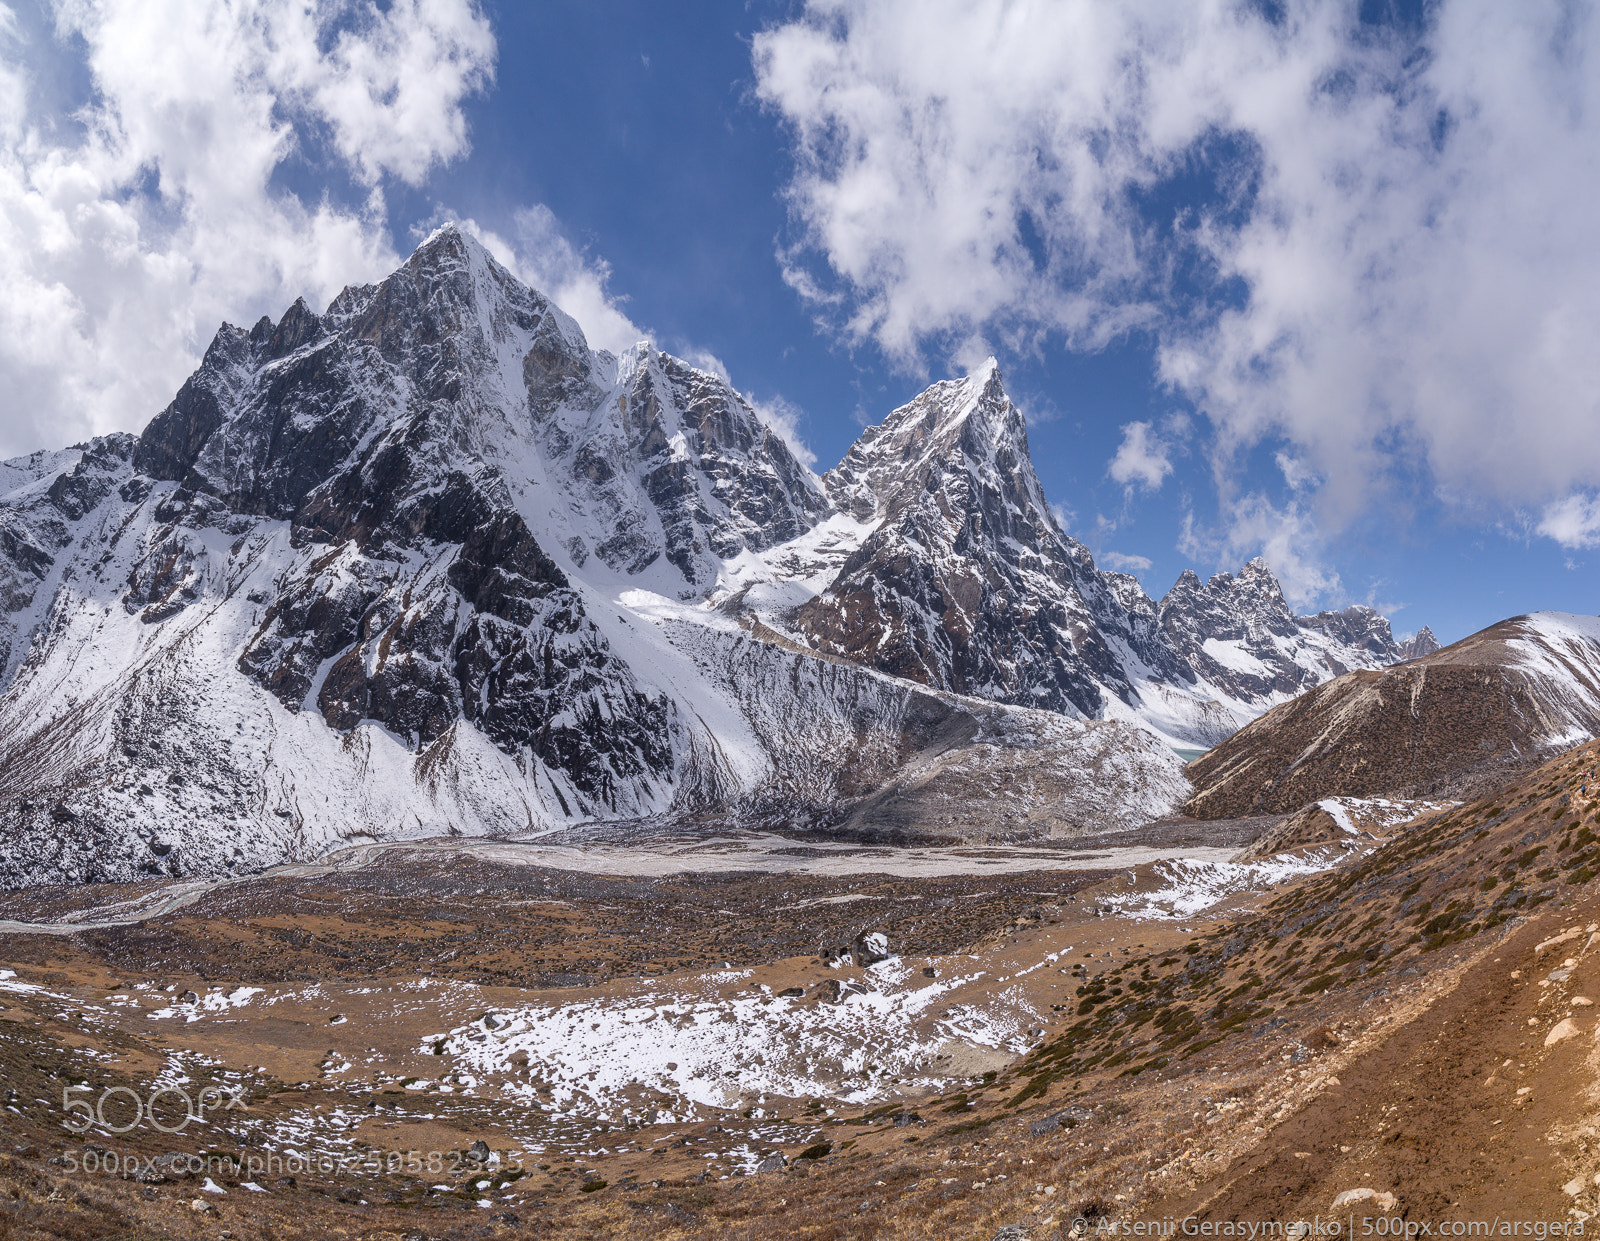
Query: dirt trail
[1415, 1117]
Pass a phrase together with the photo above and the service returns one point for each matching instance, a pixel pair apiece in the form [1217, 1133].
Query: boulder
[1562, 1031]
[1383, 1200]
[1067, 1118]
[870, 948]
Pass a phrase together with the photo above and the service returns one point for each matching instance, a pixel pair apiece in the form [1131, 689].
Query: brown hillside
[1451, 724]
[1416, 1022]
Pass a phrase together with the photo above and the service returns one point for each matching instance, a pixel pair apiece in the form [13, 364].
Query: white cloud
[925, 129]
[1141, 458]
[391, 88]
[1573, 522]
[1287, 538]
[129, 232]
[1410, 225]
[1295, 472]
[1124, 564]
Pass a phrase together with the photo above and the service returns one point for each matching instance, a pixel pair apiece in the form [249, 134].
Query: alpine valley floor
[682, 1051]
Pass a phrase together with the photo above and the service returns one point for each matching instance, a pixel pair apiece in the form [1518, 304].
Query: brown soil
[1415, 1116]
[1220, 1067]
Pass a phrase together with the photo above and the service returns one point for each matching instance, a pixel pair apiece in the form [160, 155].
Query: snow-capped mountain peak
[427, 562]
[970, 420]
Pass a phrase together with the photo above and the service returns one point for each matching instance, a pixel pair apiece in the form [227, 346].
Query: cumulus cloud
[1388, 271]
[1141, 458]
[1573, 521]
[938, 172]
[1124, 564]
[1295, 472]
[129, 233]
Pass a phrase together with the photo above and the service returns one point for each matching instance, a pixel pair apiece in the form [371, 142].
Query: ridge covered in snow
[425, 563]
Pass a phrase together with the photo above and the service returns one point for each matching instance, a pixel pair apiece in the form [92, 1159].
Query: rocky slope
[425, 563]
[1447, 724]
[946, 565]
[413, 566]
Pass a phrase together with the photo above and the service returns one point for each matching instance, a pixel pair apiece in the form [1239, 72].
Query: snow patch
[1190, 885]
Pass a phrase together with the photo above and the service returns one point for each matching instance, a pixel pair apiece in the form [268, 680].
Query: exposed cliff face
[959, 577]
[965, 582]
[426, 563]
[1446, 724]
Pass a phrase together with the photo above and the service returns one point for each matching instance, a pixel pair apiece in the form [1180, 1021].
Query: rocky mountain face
[1419, 644]
[1451, 723]
[426, 563]
[965, 581]
[962, 579]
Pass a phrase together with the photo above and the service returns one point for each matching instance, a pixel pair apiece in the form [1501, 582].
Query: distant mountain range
[427, 563]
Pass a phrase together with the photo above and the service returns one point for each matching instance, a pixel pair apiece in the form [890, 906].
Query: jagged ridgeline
[428, 563]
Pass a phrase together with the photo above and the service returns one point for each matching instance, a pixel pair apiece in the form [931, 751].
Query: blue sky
[1307, 279]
